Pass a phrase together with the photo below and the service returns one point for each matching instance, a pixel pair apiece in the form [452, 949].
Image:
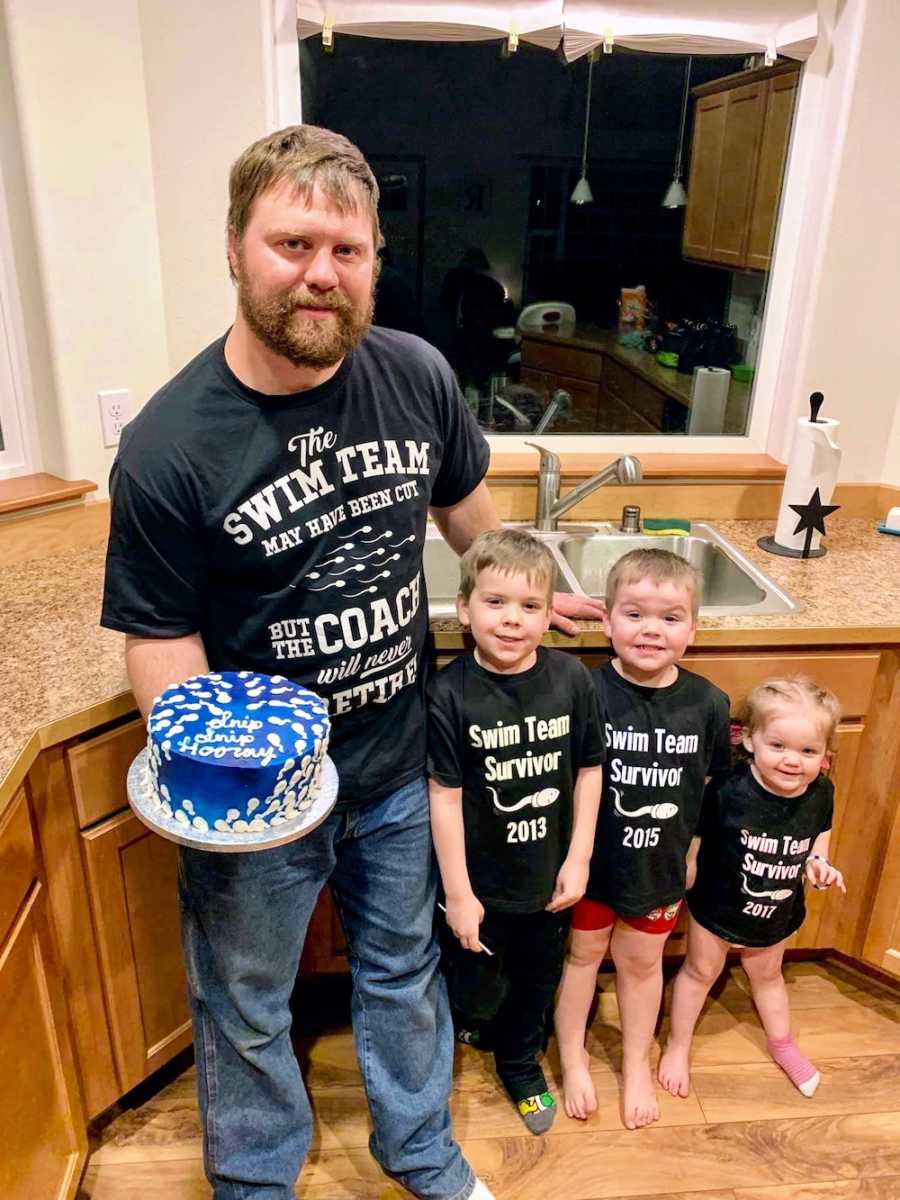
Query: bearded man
[268, 514]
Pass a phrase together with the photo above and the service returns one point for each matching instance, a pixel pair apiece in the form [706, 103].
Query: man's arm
[155, 663]
[462, 522]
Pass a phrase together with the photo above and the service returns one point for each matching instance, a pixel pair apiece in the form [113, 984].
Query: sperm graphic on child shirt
[659, 812]
[541, 799]
[778, 894]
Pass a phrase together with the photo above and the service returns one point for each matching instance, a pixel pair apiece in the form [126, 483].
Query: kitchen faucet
[550, 507]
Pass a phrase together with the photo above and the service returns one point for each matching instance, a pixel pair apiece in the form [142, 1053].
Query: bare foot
[639, 1103]
[579, 1096]
[674, 1071]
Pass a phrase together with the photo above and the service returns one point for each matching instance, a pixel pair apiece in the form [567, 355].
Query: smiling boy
[515, 744]
[667, 730]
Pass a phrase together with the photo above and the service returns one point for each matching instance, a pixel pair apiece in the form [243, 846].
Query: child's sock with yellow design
[538, 1112]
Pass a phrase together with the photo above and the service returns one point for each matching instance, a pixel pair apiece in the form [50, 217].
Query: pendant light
[676, 196]
[582, 193]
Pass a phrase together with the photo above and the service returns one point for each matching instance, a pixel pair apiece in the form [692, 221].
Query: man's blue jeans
[244, 919]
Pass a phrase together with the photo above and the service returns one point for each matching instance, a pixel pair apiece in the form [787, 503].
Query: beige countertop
[61, 674]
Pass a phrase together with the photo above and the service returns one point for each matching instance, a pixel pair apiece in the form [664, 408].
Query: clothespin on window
[608, 41]
[511, 45]
[328, 34]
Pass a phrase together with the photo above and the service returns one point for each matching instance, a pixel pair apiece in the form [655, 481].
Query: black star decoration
[812, 518]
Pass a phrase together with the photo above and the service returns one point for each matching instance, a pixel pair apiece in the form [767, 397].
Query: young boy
[515, 747]
[667, 731]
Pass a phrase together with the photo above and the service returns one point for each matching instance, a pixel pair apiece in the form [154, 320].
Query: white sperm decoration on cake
[237, 752]
[659, 812]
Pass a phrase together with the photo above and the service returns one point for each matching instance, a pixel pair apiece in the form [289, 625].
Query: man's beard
[304, 341]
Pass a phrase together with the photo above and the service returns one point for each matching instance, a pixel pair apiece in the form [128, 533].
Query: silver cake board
[144, 803]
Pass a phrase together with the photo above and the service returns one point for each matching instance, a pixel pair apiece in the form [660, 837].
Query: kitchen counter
[606, 341]
[849, 597]
[61, 674]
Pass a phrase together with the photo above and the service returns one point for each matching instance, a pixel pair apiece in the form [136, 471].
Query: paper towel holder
[811, 512]
[812, 520]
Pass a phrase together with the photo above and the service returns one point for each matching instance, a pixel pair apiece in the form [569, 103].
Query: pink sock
[799, 1070]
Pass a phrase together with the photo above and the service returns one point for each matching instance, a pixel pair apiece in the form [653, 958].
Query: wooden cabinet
[882, 945]
[42, 1123]
[741, 132]
[780, 101]
[133, 890]
[98, 768]
[114, 901]
[546, 367]
[605, 394]
[325, 949]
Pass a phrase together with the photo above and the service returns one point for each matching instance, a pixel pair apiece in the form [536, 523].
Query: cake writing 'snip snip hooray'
[237, 752]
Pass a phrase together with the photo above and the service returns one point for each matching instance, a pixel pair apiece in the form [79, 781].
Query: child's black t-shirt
[514, 744]
[661, 745]
[749, 887]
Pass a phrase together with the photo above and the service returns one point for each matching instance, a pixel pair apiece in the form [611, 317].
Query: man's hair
[659, 566]
[792, 691]
[304, 155]
[512, 552]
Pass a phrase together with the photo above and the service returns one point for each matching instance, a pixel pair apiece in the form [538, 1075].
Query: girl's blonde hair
[795, 691]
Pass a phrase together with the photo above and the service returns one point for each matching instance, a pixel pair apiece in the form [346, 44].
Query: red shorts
[590, 915]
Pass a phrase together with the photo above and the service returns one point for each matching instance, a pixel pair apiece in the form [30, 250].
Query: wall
[203, 68]
[848, 344]
[890, 473]
[79, 92]
[27, 268]
[125, 120]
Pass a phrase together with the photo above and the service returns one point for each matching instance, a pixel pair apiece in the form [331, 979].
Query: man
[268, 513]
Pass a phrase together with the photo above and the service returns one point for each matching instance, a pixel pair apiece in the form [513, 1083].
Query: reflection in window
[488, 259]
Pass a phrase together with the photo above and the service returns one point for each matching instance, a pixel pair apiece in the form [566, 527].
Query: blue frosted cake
[236, 752]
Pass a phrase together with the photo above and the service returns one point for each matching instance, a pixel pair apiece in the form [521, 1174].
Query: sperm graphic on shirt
[343, 571]
[541, 799]
[778, 894]
[659, 812]
[327, 563]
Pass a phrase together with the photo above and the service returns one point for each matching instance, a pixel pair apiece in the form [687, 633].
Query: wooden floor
[743, 1134]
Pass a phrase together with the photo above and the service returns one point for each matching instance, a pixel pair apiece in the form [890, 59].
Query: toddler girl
[764, 833]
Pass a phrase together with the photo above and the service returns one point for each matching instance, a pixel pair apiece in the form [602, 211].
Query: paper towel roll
[813, 463]
[709, 395]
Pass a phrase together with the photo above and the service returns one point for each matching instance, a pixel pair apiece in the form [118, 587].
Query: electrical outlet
[115, 413]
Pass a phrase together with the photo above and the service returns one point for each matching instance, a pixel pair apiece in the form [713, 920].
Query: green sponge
[666, 526]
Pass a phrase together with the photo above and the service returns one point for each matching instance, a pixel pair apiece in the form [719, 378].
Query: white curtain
[786, 27]
[538, 21]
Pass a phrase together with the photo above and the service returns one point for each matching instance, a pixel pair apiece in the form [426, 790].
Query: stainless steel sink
[732, 585]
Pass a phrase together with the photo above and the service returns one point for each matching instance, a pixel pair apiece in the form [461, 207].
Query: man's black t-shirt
[288, 530]
[661, 744]
[515, 745]
[749, 887]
